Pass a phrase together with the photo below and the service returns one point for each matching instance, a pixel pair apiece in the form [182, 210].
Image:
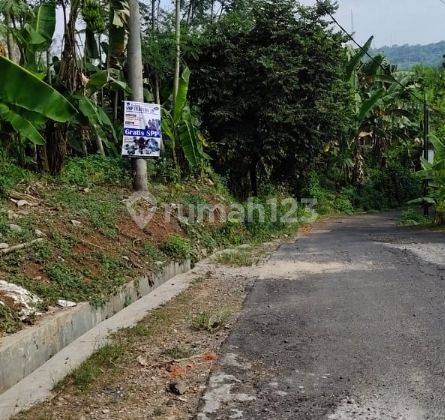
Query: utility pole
[426, 140]
[135, 77]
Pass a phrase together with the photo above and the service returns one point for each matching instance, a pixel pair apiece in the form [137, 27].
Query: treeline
[408, 56]
[269, 96]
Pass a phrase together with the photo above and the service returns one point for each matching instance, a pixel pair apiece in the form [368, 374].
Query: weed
[9, 320]
[240, 257]
[198, 280]
[12, 175]
[70, 283]
[42, 252]
[205, 321]
[177, 248]
[100, 207]
[139, 330]
[62, 243]
[104, 359]
[160, 315]
[153, 253]
[178, 352]
[413, 217]
[95, 170]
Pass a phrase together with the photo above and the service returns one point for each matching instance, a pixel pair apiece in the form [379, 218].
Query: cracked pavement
[345, 323]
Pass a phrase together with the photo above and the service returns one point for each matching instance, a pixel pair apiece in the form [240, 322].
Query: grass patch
[11, 175]
[239, 257]
[96, 170]
[139, 330]
[154, 254]
[106, 358]
[178, 352]
[177, 248]
[211, 323]
[101, 207]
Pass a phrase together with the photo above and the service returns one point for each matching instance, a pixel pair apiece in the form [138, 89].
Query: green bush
[413, 217]
[263, 226]
[177, 248]
[96, 170]
[390, 187]
[329, 202]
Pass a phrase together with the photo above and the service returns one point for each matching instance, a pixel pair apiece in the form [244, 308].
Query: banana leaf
[45, 21]
[356, 58]
[111, 77]
[23, 89]
[191, 140]
[369, 104]
[181, 97]
[96, 117]
[21, 125]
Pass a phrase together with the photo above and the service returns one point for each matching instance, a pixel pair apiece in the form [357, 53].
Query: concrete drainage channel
[73, 335]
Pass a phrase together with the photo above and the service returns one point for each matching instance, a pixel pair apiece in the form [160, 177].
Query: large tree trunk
[136, 82]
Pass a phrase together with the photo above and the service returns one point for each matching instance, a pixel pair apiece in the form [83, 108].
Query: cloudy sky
[393, 21]
[390, 21]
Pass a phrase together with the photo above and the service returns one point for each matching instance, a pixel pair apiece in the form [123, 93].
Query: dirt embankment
[159, 368]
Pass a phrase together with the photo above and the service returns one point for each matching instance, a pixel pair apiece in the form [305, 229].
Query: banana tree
[36, 34]
[13, 11]
[378, 91]
[26, 102]
[182, 128]
[434, 173]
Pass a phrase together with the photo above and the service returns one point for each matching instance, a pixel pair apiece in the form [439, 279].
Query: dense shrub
[413, 217]
[177, 248]
[389, 187]
[96, 170]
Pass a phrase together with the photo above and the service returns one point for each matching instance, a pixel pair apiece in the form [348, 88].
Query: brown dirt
[34, 270]
[9, 301]
[171, 349]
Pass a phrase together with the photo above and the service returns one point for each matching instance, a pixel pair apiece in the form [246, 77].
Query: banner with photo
[142, 130]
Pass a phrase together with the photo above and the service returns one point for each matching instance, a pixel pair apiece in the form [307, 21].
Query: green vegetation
[242, 256]
[106, 358]
[413, 217]
[177, 247]
[178, 352]
[211, 322]
[408, 56]
[264, 105]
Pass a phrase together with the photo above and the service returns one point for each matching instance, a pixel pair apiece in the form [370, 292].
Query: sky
[390, 21]
[393, 21]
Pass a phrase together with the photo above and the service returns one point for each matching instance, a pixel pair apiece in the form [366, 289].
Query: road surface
[345, 323]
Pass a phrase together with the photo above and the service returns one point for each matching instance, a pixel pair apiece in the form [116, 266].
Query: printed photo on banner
[142, 130]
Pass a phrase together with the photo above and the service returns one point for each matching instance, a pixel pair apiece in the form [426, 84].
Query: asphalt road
[346, 323]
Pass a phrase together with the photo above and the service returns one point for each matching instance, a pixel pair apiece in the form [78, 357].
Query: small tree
[269, 84]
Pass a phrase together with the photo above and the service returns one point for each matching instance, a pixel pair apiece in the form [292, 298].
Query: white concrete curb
[25, 351]
[37, 386]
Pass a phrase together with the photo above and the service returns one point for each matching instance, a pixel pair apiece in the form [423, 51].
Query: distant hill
[406, 56]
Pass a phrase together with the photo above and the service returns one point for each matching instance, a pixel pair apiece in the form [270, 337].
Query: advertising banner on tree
[142, 130]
